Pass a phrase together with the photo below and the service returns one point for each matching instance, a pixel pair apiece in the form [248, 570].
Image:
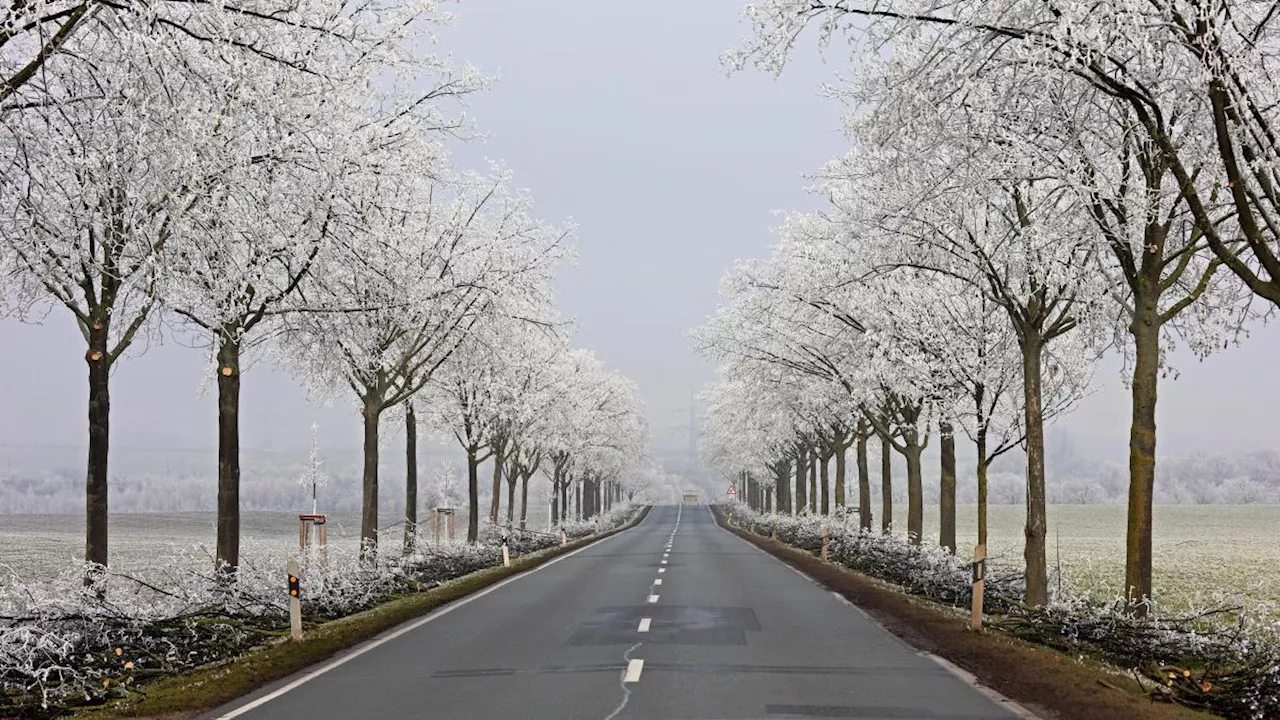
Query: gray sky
[618, 115]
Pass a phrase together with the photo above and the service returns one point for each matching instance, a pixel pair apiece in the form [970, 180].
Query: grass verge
[1049, 683]
[191, 693]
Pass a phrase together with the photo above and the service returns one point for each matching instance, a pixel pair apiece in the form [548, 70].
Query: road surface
[675, 619]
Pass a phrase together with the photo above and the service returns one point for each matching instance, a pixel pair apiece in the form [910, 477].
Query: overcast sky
[619, 116]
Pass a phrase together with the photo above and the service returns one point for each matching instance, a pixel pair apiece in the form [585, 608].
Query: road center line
[644, 625]
[634, 668]
[662, 570]
[658, 581]
[653, 599]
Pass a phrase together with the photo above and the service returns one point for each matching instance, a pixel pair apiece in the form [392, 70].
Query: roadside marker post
[295, 600]
[506, 553]
[979, 571]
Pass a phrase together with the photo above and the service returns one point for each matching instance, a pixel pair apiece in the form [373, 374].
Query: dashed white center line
[653, 599]
[662, 570]
[664, 562]
[658, 581]
[644, 625]
[634, 668]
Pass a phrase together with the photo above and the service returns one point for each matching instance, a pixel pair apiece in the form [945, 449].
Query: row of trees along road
[273, 178]
[1027, 185]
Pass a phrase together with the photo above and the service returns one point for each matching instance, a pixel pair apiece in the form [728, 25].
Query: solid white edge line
[968, 678]
[644, 624]
[359, 650]
[634, 668]
[653, 599]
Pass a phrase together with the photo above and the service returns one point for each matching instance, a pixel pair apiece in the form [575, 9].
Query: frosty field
[37, 545]
[1202, 552]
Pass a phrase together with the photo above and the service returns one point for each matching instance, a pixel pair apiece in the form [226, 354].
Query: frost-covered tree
[433, 261]
[1156, 115]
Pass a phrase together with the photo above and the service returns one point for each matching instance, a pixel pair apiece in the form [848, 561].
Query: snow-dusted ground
[40, 545]
[1203, 553]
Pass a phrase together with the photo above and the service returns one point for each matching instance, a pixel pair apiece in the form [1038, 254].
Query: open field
[1202, 552]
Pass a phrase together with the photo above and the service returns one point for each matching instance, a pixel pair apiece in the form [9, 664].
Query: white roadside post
[506, 553]
[979, 571]
[295, 600]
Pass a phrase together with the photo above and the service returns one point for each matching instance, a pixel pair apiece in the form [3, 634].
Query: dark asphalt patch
[702, 625]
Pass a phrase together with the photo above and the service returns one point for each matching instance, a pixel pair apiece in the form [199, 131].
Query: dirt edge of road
[1046, 682]
[189, 694]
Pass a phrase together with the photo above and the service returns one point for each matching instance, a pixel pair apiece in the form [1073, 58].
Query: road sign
[733, 489]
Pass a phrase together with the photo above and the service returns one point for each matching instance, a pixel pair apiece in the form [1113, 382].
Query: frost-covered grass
[1204, 555]
[63, 645]
[1223, 656]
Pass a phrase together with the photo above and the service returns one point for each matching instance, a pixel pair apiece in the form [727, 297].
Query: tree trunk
[782, 486]
[524, 501]
[95, 496]
[495, 502]
[511, 499]
[577, 500]
[813, 482]
[1145, 329]
[1037, 581]
[826, 483]
[369, 515]
[802, 472]
[982, 487]
[228, 552]
[915, 493]
[864, 479]
[768, 501]
[886, 486]
[410, 476]
[947, 501]
[473, 495]
[841, 462]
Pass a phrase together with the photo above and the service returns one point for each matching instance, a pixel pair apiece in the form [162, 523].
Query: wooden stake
[979, 571]
[295, 605]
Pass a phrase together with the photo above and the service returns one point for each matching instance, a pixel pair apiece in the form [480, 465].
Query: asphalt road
[627, 628]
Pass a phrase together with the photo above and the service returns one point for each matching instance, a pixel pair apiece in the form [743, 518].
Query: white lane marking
[622, 683]
[377, 642]
[662, 570]
[644, 624]
[653, 599]
[658, 581]
[664, 562]
[634, 668]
